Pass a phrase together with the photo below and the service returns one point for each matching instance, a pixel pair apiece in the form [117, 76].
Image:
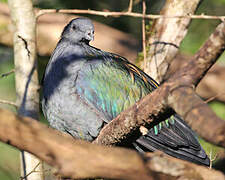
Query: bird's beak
[90, 35]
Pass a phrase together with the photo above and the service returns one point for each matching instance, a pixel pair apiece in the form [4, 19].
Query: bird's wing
[112, 84]
[174, 138]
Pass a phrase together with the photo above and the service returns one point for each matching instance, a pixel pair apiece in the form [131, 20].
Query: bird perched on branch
[84, 88]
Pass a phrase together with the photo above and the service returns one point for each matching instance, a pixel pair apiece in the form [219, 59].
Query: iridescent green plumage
[110, 87]
[114, 85]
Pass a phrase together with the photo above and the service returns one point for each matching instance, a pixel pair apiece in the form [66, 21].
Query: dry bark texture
[25, 57]
[210, 87]
[24, 37]
[80, 159]
[166, 36]
[184, 100]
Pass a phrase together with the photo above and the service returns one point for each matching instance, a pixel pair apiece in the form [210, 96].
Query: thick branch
[166, 165]
[167, 35]
[186, 103]
[198, 115]
[25, 57]
[79, 159]
[170, 94]
[205, 57]
[26, 75]
[210, 87]
[75, 159]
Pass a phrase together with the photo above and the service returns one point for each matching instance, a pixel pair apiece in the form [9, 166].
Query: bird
[84, 88]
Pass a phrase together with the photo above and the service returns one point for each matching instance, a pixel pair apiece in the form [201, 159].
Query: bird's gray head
[79, 30]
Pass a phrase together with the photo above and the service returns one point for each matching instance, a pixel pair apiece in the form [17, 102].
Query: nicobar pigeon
[84, 88]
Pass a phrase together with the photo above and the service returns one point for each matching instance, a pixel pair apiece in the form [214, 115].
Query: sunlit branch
[8, 102]
[132, 14]
[143, 33]
[130, 6]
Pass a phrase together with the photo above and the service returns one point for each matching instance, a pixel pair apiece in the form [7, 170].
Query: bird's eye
[92, 32]
[74, 27]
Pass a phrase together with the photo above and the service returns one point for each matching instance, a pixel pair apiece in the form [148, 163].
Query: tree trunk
[167, 35]
[26, 75]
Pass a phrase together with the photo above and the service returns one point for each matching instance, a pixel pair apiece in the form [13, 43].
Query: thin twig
[214, 97]
[130, 6]
[34, 170]
[8, 102]
[138, 15]
[143, 33]
[212, 159]
[8, 73]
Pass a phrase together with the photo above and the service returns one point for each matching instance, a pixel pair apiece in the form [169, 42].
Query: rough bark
[166, 165]
[167, 35]
[190, 107]
[210, 88]
[80, 159]
[198, 114]
[184, 100]
[24, 26]
[206, 56]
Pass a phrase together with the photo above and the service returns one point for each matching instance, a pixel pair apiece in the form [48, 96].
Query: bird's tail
[175, 138]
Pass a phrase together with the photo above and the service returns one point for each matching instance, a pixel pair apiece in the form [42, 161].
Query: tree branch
[198, 115]
[26, 75]
[143, 33]
[25, 57]
[70, 156]
[184, 100]
[132, 14]
[205, 57]
[7, 73]
[8, 102]
[67, 155]
[210, 87]
[166, 165]
[166, 36]
[130, 6]
[170, 93]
